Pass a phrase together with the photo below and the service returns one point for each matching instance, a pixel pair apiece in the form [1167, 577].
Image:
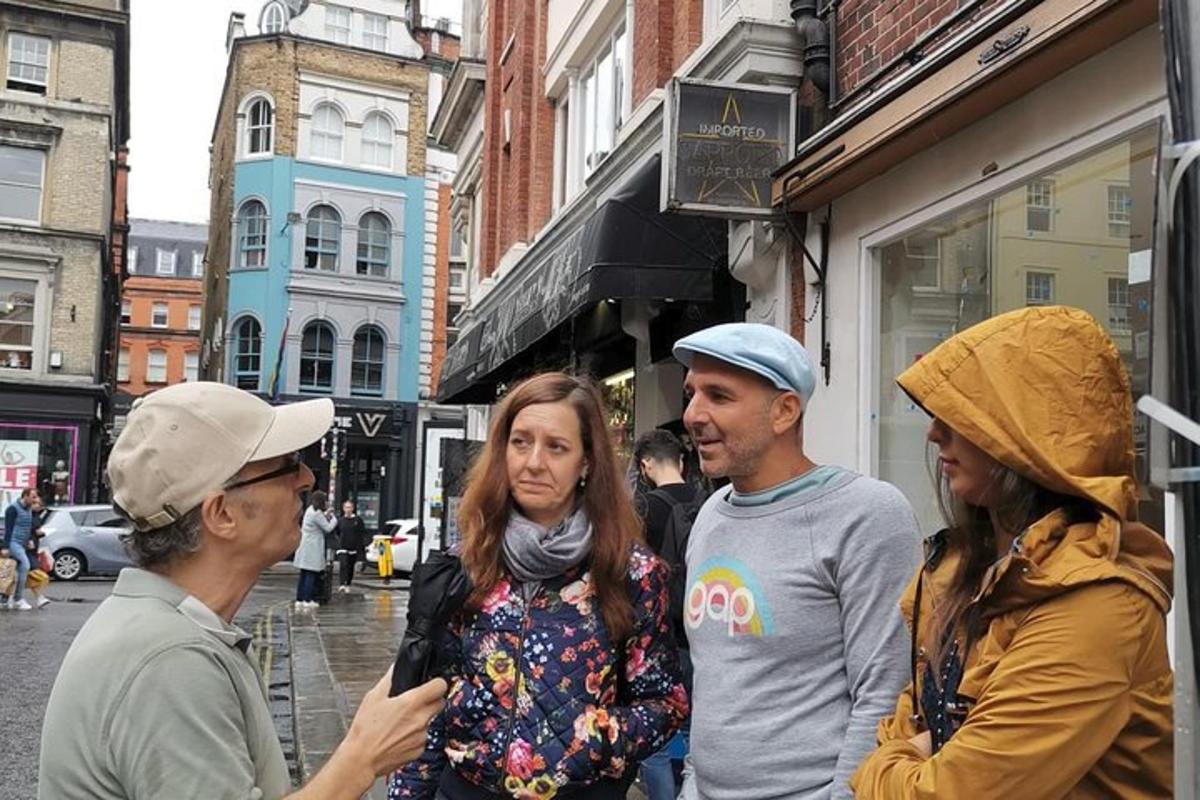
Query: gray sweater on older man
[796, 636]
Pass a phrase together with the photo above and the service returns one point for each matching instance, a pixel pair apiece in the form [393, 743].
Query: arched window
[260, 126]
[374, 244]
[274, 19]
[366, 368]
[252, 234]
[377, 137]
[316, 358]
[247, 354]
[322, 238]
[327, 132]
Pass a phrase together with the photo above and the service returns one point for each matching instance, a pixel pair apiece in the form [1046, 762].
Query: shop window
[1039, 206]
[374, 245]
[260, 127]
[28, 63]
[619, 399]
[17, 322]
[21, 175]
[159, 315]
[156, 366]
[123, 365]
[337, 24]
[322, 239]
[52, 450]
[191, 366]
[1118, 305]
[377, 135]
[1039, 288]
[1120, 205]
[366, 370]
[986, 264]
[316, 359]
[247, 354]
[375, 32]
[327, 133]
[252, 235]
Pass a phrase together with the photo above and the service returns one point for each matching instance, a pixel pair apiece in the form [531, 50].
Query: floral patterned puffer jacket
[539, 707]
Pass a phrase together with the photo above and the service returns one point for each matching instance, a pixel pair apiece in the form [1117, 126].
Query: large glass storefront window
[619, 399]
[42, 457]
[1079, 235]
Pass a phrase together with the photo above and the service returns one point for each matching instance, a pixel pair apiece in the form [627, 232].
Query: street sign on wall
[724, 141]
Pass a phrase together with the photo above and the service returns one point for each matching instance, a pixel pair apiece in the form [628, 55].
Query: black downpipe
[1181, 30]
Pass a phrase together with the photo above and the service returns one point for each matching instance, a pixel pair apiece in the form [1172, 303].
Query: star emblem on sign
[732, 157]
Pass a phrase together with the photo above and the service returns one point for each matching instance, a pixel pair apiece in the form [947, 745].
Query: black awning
[625, 249]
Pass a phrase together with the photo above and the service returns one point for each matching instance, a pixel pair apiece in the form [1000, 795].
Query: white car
[404, 544]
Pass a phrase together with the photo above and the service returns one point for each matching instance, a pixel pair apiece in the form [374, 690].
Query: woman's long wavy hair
[487, 502]
[1019, 502]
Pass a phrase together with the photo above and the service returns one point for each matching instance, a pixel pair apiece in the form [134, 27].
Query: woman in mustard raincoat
[1040, 664]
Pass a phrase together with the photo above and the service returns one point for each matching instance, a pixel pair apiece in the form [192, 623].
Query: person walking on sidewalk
[159, 697]
[310, 555]
[18, 530]
[793, 573]
[352, 535]
[564, 671]
[1041, 667]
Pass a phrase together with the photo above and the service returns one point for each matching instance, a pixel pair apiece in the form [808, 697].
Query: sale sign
[18, 469]
[24, 477]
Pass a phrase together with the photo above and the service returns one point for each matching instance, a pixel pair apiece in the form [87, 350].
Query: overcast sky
[176, 73]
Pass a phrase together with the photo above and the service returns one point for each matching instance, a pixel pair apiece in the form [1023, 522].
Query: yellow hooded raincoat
[1068, 688]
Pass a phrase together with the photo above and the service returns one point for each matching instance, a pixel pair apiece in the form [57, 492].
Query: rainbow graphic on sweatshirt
[725, 592]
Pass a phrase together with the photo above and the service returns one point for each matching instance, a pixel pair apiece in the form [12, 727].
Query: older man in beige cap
[157, 697]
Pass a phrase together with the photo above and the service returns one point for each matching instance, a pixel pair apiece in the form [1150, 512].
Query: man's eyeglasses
[290, 468]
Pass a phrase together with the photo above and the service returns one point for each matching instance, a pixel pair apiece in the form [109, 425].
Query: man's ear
[216, 513]
[786, 412]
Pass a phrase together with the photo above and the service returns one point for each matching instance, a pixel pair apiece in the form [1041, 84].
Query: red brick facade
[441, 286]
[139, 335]
[870, 33]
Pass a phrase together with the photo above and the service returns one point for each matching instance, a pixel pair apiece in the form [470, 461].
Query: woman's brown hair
[487, 502]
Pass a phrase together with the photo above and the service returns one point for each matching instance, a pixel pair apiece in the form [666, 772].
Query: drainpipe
[816, 43]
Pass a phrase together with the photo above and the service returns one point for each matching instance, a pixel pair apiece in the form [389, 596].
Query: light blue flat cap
[761, 349]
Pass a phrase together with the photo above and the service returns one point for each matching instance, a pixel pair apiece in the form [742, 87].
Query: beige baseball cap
[185, 441]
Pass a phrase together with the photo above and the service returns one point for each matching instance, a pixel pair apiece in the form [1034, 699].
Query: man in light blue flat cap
[793, 576]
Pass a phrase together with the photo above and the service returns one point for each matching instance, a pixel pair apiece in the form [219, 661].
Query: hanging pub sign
[724, 141]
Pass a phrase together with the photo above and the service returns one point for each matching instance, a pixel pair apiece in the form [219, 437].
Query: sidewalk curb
[324, 703]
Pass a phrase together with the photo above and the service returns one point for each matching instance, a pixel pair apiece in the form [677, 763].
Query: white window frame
[191, 366]
[1033, 272]
[166, 315]
[41, 185]
[126, 312]
[41, 62]
[274, 19]
[193, 320]
[197, 264]
[1119, 216]
[586, 104]
[243, 246]
[133, 260]
[336, 31]
[152, 373]
[327, 137]
[376, 146]
[123, 365]
[375, 38]
[714, 12]
[37, 327]
[458, 278]
[1034, 197]
[267, 128]
[158, 261]
[1118, 321]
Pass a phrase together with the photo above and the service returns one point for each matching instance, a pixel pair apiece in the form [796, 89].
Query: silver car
[85, 540]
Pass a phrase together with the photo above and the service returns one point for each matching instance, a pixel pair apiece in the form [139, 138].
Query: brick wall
[870, 33]
[85, 72]
[441, 286]
[139, 336]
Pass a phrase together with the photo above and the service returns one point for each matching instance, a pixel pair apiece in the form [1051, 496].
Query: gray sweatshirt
[796, 636]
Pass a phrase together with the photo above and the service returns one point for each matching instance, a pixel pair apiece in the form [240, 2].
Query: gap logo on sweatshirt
[725, 592]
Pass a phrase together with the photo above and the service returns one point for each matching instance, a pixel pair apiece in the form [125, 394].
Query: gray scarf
[534, 554]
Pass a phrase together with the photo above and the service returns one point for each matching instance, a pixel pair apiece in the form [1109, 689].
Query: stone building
[64, 122]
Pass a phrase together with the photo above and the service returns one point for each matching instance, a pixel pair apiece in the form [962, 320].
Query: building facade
[317, 244]
[64, 122]
[161, 307]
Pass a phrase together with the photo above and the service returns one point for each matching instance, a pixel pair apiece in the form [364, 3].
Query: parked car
[404, 544]
[85, 540]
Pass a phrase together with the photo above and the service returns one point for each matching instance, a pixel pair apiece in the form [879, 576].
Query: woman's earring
[583, 480]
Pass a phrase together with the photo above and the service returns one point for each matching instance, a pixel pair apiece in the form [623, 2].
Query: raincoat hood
[1043, 391]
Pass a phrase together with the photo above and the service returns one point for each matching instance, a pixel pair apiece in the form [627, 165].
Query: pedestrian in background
[310, 555]
[564, 671]
[1041, 666]
[160, 696]
[18, 530]
[793, 573]
[668, 509]
[39, 567]
[352, 535]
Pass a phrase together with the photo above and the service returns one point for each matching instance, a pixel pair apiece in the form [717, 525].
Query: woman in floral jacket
[565, 673]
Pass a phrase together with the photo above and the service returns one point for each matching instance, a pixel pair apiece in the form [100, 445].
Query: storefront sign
[369, 424]
[724, 142]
